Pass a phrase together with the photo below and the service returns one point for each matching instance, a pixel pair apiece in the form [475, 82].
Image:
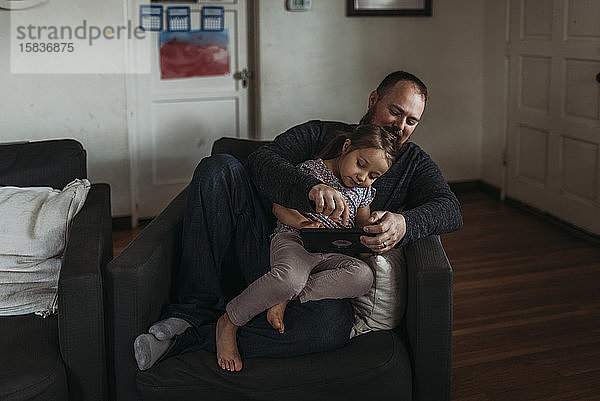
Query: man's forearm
[432, 207]
[273, 166]
[442, 215]
[284, 184]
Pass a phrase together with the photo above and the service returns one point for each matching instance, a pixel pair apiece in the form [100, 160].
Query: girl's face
[360, 167]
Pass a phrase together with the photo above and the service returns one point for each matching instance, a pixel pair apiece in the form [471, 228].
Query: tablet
[334, 240]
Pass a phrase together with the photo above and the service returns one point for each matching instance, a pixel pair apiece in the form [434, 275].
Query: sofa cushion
[382, 308]
[371, 366]
[34, 226]
[52, 163]
[32, 367]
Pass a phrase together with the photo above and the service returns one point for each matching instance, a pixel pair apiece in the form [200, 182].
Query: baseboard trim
[121, 223]
[476, 185]
[556, 221]
[495, 192]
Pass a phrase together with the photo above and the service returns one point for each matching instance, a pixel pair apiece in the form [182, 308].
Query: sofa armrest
[138, 285]
[429, 318]
[80, 298]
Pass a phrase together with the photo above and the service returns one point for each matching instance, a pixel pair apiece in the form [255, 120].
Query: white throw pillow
[34, 229]
[382, 308]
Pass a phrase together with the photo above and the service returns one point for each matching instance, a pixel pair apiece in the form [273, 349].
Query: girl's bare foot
[275, 316]
[228, 356]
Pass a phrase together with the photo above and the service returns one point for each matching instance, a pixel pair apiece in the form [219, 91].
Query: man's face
[400, 108]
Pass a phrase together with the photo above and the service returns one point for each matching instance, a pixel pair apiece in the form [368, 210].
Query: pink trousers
[296, 272]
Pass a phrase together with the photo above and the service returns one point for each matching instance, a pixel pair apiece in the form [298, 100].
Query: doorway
[173, 122]
[553, 136]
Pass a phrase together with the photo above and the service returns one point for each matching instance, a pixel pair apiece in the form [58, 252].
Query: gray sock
[168, 328]
[148, 350]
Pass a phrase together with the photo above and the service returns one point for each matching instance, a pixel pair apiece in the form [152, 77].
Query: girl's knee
[291, 280]
[361, 275]
[296, 281]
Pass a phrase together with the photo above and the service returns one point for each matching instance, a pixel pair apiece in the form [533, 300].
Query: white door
[554, 108]
[175, 121]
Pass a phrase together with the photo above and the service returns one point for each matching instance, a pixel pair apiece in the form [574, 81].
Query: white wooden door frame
[505, 103]
[131, 102]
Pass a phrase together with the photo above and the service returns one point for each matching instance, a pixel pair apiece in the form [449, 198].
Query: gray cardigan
[414, 185]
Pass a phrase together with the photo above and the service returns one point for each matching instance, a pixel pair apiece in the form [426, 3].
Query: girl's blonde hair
[362, 137]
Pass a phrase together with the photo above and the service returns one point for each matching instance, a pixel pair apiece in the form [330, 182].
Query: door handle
[244, 76]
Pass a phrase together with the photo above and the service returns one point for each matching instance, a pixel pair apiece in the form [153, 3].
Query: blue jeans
[224, 213]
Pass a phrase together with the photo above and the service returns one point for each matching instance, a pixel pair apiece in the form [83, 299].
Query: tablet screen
[334, 240]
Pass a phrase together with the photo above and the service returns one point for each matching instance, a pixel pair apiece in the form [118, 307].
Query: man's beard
[370, 116]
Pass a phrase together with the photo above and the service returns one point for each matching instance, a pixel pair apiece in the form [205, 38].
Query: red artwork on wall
[194, 54]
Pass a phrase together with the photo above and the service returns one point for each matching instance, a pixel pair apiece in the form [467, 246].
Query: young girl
[350, 163]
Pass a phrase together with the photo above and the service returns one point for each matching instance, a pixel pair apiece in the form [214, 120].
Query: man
[225, 215]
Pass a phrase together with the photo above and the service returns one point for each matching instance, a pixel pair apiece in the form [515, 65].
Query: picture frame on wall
[358, 8]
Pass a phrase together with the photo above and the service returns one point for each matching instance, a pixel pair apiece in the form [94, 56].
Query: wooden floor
[526, 306]
[123, 237]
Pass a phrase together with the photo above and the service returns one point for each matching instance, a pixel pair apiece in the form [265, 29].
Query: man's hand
[389, 227]
[329, 202]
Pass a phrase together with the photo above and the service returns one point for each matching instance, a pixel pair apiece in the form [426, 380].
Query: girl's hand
[310, 224]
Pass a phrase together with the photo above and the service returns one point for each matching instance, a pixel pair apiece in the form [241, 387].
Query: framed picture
[388, 7]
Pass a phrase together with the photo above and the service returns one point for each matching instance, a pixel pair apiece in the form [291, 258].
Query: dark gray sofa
[409, 363]
[61, 357]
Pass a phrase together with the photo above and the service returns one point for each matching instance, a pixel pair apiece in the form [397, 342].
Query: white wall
[322, 64]
[86, 107]
[317, 64]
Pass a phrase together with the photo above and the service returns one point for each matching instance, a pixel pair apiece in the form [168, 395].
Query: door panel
[582, 99]
[582, 20]
[579, 162]
[173, 157]
[537, 19]
[535, 82]
[553, 153]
